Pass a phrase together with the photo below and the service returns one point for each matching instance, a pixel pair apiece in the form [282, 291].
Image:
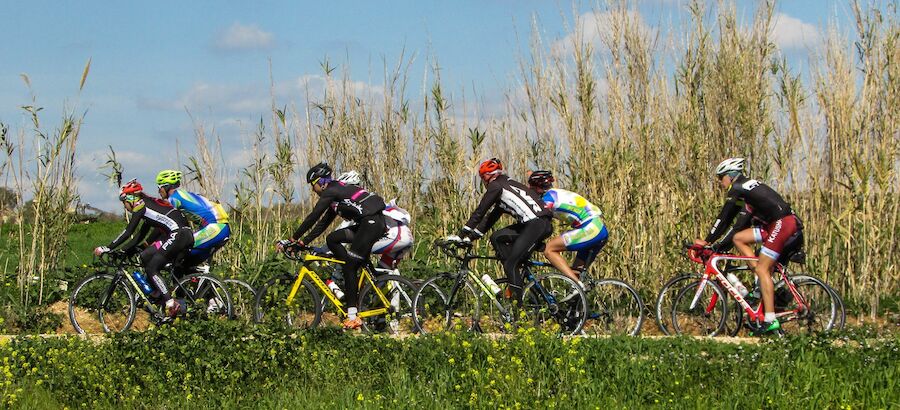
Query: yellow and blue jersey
[198, 208]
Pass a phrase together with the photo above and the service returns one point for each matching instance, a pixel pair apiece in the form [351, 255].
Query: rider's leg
[206, 241]
[553, 253]
[532, 232]
[371, 228]
[764, 273]
[744, 242]
[335, 241]
[502, 239]
[393, 246]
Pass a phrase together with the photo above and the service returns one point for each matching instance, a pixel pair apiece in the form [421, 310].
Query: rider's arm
[729, 211]
[316, 213]
[320, 226]
[138, 238]
[487, 201]
[132, 225]
[742, 222]
[487, 223]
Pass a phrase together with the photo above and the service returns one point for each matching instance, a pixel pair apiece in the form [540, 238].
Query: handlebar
[115, 259]
[294, 251]
[696, 253]
[452, 248]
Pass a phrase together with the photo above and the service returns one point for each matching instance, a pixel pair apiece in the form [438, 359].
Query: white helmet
[730, 165]
[350, 177]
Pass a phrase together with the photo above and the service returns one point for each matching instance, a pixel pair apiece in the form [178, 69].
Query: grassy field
[212, 365]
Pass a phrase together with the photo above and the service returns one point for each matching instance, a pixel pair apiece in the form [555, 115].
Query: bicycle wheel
[708, 316]
[664, 299]
[444, 303]
[399, 293]
[815, 310]
[102, 303]
[243, 298]
[304, 311]
[204, 296]
[615, 308]
[841, 318]
[554, 303]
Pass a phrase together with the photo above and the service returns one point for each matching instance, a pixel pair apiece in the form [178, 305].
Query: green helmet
[168, 177]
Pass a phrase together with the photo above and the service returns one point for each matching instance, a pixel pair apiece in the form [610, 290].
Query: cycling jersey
[349, 201]
[155, 213]
[590, 234]
[510, 197]
[762, 201]
[198, 208]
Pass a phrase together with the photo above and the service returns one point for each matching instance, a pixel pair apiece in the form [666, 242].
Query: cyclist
[397, 240]
[352, 203]
[588, 236]
[781, 233]
[209, 216]
[168, 226]
[513, 243]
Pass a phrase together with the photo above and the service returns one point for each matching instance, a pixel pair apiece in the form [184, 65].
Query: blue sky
[151, 60]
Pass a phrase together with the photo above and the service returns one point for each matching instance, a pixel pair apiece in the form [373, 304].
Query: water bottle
[495, 289]
[737, 284]
[139, 278]
[335, 289]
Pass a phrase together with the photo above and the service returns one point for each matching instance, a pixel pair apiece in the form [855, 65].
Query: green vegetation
[216, 365]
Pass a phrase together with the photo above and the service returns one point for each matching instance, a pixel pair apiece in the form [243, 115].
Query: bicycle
[733, 326]
[385, 301]
[109, 298]
[615, 307]
[464, 301]
[701, 308]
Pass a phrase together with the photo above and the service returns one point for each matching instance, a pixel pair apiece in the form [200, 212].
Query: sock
[770, 317]
[351, 313]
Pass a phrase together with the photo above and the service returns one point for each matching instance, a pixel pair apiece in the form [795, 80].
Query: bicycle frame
[712, 271]
[365, 275]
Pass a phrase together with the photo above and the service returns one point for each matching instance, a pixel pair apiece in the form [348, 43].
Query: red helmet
[490, 167]
[130, 190]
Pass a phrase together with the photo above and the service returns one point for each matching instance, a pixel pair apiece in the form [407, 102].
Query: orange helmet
[130, 191]
[490, 167]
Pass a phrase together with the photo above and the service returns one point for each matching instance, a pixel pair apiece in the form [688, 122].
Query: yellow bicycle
[385, 301]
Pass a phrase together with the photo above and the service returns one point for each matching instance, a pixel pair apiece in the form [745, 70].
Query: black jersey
[509, 196]
[339, 199]
[760, 200]
[154, 213]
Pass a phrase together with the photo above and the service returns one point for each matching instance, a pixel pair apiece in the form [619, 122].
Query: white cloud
[239, 37]
[592, 28]
[791, 33]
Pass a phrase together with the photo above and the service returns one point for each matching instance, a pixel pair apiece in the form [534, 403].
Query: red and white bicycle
[803, 303]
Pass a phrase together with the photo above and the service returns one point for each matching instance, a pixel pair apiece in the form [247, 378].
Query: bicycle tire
[400, 293]
[694, 321]
[565, 316]
[271, 306]
[243, 298]
[85, 295]
[808, 319]
[618, 307]
[205, 297]
[663, 312]
[434, 312]
[842, 312]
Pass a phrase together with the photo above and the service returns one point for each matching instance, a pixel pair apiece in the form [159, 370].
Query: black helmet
[320, 170]
[541, 179]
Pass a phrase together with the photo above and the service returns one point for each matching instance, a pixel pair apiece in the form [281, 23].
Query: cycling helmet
[490, 167]
[168, 177]
[730, 166]
[541, 179]
[320, 170]
[350, 177]
[130, 192]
